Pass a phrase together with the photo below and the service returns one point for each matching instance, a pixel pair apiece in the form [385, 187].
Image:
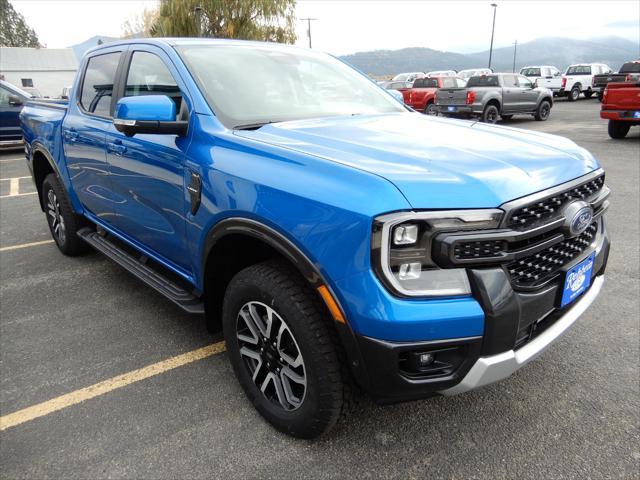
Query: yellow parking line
[7, 160]
[73, 398]
[24, 245]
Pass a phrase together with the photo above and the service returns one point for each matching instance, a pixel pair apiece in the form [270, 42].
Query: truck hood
[436, 162]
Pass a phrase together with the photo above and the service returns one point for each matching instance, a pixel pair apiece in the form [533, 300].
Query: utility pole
[493, 28]
[309, 20]
[515, 49]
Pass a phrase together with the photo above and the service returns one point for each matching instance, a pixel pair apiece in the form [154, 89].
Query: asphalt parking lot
[69, 323]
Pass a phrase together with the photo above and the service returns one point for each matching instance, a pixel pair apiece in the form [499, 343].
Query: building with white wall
[47, 70]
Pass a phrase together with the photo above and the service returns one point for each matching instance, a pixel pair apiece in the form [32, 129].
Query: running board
[181, 297]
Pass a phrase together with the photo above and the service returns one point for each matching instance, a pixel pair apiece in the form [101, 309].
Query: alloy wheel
[55, 217]
[271, 355]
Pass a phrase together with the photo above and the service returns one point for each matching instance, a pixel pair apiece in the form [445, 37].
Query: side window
[148, 75]
[97, 87]
[509, 80]
[524, 82]
[27, 82]
[4, 97]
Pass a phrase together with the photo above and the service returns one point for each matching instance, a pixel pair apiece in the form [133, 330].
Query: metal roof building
[39, 70]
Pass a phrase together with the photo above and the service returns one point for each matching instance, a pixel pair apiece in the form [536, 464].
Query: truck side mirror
[154, 114]
[15, 100]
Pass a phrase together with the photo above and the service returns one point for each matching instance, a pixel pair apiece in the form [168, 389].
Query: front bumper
[494, 368]
[518, 326]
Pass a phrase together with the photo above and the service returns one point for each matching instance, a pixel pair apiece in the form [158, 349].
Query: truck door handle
[116, 148]
[71, 135]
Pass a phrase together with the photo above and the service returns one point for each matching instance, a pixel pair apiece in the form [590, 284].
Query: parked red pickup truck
[621, 106]
[421, 95]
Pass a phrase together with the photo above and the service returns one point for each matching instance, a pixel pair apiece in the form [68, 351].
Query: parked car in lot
[473, 72]
[407, 77]
[12, 99]
[398, 85]
[336, 239]
[545, 76]
[497, 95]
[621, 106]
[629, 72]
[421, 95]
[579, 79]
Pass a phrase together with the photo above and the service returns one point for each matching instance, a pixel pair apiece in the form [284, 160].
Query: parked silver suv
[493, 96]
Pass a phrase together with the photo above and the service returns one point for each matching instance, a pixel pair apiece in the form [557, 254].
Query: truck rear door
[83, 134]
[10, 115]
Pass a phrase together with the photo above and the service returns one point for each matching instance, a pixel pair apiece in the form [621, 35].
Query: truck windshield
[247, 86]
[483, 81]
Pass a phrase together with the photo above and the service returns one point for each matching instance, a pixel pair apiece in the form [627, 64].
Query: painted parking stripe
[11, 179]
[24, 245]
[79, 396]
[7, 160]
[18, 195]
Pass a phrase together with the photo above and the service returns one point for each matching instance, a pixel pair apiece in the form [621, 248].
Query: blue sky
[349, 26]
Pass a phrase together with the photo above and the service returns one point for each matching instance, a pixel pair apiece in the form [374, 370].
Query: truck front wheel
[588, 94]
[283, 351]
[63, 222]
[490, 114]
[618, 129]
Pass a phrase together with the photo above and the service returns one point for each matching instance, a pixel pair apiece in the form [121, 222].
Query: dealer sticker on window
[577, 280]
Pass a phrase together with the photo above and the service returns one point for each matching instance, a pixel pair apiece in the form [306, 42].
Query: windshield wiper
[252, 126]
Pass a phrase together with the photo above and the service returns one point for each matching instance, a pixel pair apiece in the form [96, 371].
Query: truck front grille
[547, 208]
[542, 266]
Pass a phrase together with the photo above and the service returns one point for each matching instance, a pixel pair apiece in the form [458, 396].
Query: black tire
[574, 94]
[543, 111]
[600, 96]
[490, 114]
[618, 129]
[328, 391]
[588, 94]
[63, 222]
[431, 109]
[506, 118]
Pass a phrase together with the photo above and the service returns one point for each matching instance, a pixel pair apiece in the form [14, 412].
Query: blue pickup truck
[341, 242]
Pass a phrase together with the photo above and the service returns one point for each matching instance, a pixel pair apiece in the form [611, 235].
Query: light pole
[493, 28]
[309, 20]
[515, 49]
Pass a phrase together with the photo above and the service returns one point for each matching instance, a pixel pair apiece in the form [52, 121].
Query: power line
[309, 20]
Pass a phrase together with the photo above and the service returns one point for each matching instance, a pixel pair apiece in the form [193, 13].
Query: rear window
[425, 83]
[530, 72]
[449, 82]
[631, 67]
[484, 81]
[579, 70]
[97, 87]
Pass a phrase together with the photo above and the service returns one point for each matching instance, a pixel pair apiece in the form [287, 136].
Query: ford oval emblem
[578, 216]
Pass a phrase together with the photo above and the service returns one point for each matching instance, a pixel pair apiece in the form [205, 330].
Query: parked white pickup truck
[545, 76]
[579, 79]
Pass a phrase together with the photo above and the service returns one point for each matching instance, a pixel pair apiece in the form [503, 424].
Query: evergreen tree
[14, 31]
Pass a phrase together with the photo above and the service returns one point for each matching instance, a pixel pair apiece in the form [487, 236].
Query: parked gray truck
[493, 96]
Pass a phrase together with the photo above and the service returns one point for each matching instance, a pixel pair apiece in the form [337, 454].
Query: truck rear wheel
[431, 109]
[574, 94]
[63, 222]
[543, 111]
[490, 114]
[283, 350]
[618, 129]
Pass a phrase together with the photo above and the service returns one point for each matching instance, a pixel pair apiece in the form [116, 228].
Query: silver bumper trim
[492, 369]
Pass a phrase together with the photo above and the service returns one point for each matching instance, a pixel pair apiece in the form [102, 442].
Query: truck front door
[148, 169]
[528, 94]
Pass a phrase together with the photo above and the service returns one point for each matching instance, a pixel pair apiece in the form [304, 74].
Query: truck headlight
[401, 250]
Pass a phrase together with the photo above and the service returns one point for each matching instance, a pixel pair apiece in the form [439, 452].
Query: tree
[267, 20]
[140, 25]
[14, 31]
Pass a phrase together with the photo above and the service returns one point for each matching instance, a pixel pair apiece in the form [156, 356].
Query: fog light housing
[426, 359]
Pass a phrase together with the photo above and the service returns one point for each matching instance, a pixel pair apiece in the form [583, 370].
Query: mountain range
[557, 51]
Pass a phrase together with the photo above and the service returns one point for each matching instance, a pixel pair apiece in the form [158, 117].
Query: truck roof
[168, 41]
